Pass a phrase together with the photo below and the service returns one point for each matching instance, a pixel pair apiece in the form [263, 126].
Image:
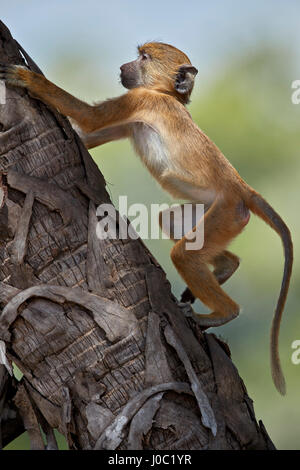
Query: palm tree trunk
[107, 356]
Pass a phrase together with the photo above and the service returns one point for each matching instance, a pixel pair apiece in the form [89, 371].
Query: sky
[80, 46]
[107, 33]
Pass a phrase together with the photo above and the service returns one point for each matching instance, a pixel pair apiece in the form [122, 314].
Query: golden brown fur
[184, 161]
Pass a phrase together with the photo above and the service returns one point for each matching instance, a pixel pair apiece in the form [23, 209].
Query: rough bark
[108, 357]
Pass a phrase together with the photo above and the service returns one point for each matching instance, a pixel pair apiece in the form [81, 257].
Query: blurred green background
[247, 54]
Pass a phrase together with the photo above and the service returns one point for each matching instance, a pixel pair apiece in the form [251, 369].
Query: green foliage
[246, 109]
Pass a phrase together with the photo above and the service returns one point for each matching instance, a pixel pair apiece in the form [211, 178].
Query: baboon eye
[145, 56]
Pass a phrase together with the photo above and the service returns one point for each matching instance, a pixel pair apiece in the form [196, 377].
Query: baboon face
[160, 66]
[132, 73]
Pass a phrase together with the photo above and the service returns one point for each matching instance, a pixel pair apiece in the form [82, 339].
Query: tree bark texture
[107, 355]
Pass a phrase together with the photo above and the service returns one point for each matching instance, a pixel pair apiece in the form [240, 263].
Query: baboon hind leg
[226, 263]
[221, 225]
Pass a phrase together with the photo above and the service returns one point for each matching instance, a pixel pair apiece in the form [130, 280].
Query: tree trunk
[107, 355]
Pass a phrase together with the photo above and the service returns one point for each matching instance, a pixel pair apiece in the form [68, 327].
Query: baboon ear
[185, 77]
